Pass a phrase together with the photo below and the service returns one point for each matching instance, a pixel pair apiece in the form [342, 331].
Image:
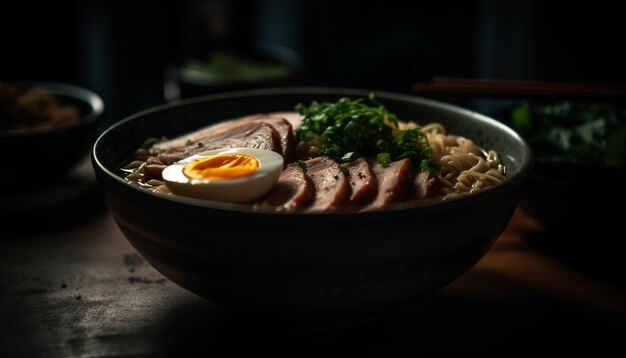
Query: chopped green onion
[351, 130]
[431, 166]
[341, 129]
[303, 166]
[382, 145]
[383, 158]
[350, 156]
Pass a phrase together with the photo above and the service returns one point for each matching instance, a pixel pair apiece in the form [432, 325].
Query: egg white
[239, 190]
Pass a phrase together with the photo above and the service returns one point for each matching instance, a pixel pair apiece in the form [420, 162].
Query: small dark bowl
[307, 265]
[181, 82]
[55, 151]
[573, 203]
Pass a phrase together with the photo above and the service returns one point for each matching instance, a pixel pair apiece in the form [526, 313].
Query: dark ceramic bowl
[183, 82]
[50, 153]
[308, 265]
[574, 204]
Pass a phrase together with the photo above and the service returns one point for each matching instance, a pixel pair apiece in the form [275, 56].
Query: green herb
[433, 167]
[574, 132]
[350, 156]
[383, 158]
[347, 129]
[303, 166]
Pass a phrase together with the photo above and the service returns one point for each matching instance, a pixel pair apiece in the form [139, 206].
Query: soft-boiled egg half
[235, 175]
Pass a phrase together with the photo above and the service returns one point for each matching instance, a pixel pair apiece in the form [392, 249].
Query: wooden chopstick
[508, 88]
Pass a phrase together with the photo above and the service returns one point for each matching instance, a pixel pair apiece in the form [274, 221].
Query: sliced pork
[331, 185]
[423, 186]
[294, 118]
[222, 130]
[394, 180]
[293, 191]
[249, 135]
[362, 182]
[287, 138]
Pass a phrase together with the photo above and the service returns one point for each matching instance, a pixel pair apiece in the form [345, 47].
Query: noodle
[465, 167]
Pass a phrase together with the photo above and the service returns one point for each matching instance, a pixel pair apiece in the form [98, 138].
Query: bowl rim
[92, 99]
[523, 172]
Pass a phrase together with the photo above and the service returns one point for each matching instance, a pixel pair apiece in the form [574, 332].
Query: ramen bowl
[56, 150]
[307, 265]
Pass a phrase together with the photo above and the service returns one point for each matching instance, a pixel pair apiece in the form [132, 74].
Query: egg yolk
[223, 166]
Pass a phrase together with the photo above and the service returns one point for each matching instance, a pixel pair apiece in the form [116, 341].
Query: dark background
[120, 48]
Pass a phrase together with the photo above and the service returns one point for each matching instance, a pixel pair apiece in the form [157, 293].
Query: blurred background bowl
[575, 187]
[49, 175]
[49, 154]
[317, 265]
[264, 65]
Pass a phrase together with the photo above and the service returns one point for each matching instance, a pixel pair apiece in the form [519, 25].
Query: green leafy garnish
[303, 166]
[348, 129]
[587, 133]
[383, 158]
[431, 166]
[350, 156]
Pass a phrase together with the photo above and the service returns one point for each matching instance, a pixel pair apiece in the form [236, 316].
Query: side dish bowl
[307, 265]
[52, 152]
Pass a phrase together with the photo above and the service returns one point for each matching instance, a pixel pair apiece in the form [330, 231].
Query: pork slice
[205, 135]
[287, 138]
[225, 129]
[331, 185]
[213, 132]
[423, 186]
[394, 180]
[292, 192]
[281, 125]
[362, 182]
[294, 118]
[250, 135]
[260, 135]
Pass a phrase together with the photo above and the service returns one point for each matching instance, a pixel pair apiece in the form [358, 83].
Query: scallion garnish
[383, 158]
[350, 156]
[347, 129]
[430, 166]
[303, 166]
